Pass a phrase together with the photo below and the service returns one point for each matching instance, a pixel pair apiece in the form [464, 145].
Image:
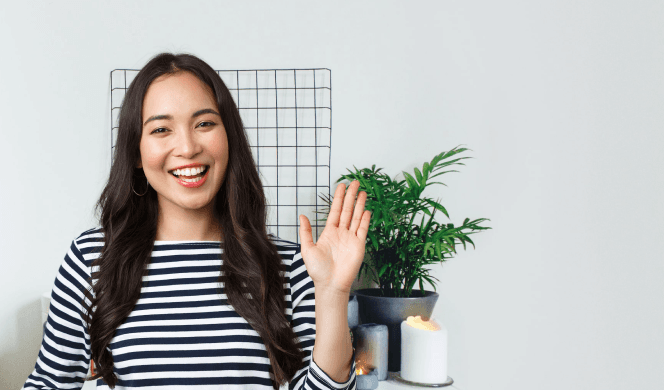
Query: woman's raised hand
[334, 260]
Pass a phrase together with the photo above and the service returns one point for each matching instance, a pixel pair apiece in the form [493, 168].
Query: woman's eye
[162, 129]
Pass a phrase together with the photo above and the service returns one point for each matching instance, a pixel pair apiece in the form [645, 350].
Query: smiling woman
[180, 286]
[183, 132]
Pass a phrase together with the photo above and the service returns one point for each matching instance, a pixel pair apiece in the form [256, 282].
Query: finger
[335, 209]
[363, 230]
[359, 210]
[306, 238]
[349, 200]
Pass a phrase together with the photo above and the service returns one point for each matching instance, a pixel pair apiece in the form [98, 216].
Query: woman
[183, 221]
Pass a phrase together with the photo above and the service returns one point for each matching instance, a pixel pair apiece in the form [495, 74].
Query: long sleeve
[303, 321]
[64, 356]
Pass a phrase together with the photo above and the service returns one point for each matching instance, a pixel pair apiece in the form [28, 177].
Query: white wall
[561, 102]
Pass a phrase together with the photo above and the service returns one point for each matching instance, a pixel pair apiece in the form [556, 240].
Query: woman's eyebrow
[170, 117]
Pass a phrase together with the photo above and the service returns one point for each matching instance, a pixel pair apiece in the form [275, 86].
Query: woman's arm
[307, 322]
[64, 356]
[333, 349]
[333, 263]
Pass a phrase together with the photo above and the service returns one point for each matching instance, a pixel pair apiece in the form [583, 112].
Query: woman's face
[183, 135]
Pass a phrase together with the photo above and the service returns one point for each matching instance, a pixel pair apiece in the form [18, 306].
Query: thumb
[306, 237]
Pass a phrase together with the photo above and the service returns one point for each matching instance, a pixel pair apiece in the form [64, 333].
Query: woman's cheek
[152, 156]
[219, 146]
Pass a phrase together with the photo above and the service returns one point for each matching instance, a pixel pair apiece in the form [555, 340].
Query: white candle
[423, 351]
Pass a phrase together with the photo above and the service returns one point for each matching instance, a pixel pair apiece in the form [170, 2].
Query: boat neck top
[182, 333]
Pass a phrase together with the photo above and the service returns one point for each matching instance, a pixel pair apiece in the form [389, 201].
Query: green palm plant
[404, 237]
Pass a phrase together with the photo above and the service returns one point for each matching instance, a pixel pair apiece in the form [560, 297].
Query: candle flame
[419, 323]
[362, 368]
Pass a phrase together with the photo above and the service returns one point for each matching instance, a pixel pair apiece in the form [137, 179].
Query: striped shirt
[181, 334]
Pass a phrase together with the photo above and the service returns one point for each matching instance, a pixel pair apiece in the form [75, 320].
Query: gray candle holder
[371, 348]
[368, 381]
[353, 312]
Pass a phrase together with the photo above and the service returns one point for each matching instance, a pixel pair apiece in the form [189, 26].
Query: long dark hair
[251, 264]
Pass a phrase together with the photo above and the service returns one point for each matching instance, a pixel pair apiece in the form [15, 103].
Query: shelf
[392, 384]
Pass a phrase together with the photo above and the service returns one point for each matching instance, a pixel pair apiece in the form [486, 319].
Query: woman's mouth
[191, 177]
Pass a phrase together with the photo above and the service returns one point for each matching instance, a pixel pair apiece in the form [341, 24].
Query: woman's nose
[187, 145]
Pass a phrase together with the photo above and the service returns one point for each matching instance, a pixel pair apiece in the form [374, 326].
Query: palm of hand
[333, 261]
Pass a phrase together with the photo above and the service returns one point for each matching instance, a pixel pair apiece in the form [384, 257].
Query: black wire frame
[252, 90]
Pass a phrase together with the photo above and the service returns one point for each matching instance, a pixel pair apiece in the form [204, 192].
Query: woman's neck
[177, 224]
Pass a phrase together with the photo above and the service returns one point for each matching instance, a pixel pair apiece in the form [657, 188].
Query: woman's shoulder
[291, 257]
[82, 252]
[90, 241]
[285, 247]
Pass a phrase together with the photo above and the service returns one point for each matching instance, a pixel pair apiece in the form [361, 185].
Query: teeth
[191, 180]
[188, 171]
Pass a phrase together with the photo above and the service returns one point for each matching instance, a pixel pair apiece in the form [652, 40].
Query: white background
[561, 103]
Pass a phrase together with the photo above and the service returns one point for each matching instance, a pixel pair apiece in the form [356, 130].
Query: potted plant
[404, 238]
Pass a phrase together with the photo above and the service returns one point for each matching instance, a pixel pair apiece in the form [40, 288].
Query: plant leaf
[437, 206]
[412, 184]
[383, 269]
[418, 174]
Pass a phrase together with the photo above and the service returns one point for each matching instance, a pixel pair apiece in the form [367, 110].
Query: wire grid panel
[287, 116]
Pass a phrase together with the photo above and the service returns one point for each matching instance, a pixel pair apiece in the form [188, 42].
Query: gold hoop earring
[146, 189]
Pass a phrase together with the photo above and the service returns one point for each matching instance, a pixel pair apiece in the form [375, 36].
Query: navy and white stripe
[182, 334]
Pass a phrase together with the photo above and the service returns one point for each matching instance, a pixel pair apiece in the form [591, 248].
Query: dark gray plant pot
[392, 311]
